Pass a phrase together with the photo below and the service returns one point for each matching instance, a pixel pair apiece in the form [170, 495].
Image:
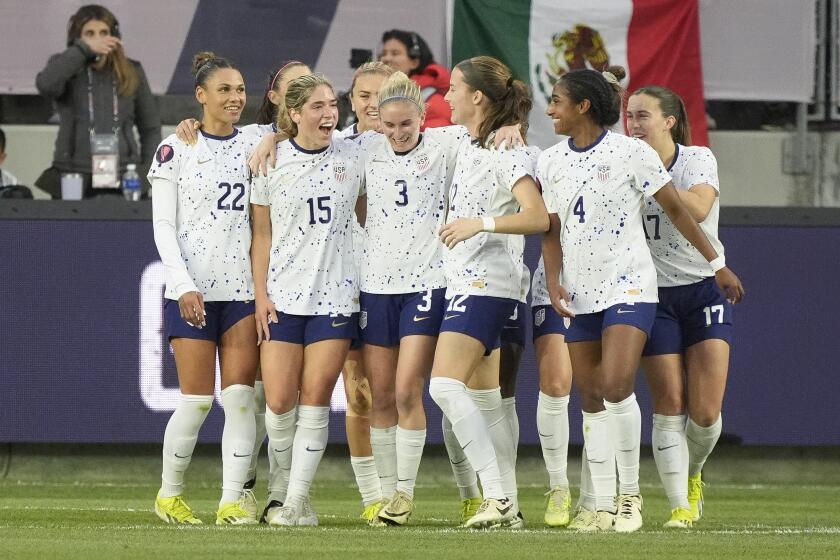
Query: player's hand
[103, 46]
[559, 299]
[509, 137]
[264, 156]
[730, 285]
[460, 230]
[265, 313]
[191, 305]
[186, 131]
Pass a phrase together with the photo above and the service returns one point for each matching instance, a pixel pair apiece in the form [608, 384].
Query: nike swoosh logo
[447, 317]
[465, 446]
[666, 447]
[380, 161]
[503, 511]
[205, 161]
[235, 454]
[307, 448]
[545, 435]
[457, 462]
[182, 456]
[418, 319]
[594, 461]
[282, 450]
[339, 324]
[403, 479]
[621, 311]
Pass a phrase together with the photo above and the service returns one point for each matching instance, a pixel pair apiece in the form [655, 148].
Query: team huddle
[392, 256]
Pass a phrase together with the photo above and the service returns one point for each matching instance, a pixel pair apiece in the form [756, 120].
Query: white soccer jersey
[406, 201]
[312, 194]
[539, 287]
[348, 132]
[598, 192]
[677, 262]
[212, 217]
[488, 264]
[259, 130]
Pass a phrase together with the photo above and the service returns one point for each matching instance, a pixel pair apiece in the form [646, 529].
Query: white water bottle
[131, 185]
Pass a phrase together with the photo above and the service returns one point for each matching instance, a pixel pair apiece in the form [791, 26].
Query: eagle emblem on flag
[574, 49]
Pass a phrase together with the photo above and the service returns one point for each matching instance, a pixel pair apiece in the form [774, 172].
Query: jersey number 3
[403, 186]
[222, 204]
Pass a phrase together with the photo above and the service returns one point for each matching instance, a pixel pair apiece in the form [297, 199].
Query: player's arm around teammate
[693, 325]
[202, 232]
[493, 193]
[305, 315]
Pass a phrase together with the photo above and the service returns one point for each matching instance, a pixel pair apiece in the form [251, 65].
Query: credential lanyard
[116, 107]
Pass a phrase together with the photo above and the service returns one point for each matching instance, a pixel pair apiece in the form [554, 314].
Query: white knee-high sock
[601, 458]
[465, 477]
[626, 429]
[410, 445]
[383, 441]
[470, 429]
[281, 435]
[310, 441]
[509, 405]
[179, 441]
[237, 440]
[671, 455]
[489, 402]
[553, 427]
[367, 479]
[586, 499]
[259, 437]
[701, 441]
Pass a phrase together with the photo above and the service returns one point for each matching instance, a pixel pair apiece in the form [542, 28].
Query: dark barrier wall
[83, 359]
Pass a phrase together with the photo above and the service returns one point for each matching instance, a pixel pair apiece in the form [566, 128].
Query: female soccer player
[203, 234]
[693, 325]
[594, 185]
[493, 201]
[302, 257]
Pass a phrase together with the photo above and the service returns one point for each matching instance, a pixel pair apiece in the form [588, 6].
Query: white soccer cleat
[491, 513]
[308, 517]
[629, 516]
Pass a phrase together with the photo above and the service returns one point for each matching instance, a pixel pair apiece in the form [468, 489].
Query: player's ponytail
[602, 89]
[297, 94]
[671, 105]
[399, 87]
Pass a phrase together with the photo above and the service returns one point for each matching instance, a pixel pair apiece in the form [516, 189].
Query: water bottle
[131, 186]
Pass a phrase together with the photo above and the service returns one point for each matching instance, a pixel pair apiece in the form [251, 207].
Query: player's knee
[280, 404]
[669, 404]
[447, 393]
[408, 399]
[705, 417]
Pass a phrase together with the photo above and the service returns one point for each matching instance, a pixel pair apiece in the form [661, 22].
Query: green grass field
[97, 504]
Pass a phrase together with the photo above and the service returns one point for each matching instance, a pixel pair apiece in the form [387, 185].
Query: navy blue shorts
[516, 328]
[481, 317]
[386, 318]
[687, 315]
[548, 321]
[307, 329]
[221, 315]
[589, 326]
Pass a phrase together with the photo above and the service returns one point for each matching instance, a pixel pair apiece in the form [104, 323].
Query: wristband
[489, 224]
[718, 263]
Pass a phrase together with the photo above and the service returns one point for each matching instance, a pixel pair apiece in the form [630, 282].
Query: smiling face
[364, 100]
[395, 55]
[401, 121]
[646, 121]
[462, 99]
[222, 95]
[566, 115]
[317, 119]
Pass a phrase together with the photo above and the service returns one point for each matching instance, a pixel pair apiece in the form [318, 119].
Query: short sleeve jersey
[488, 264]
[259, 130]
[677, 262]
[312, 194]
[213, 223]
[406, 207]
[539, 287]
[598, 192]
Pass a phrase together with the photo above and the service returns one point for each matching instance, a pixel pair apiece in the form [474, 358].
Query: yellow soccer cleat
[681, 518]
[695, 496]
[583, 518]
[175, 510]
[398, 509]
[371, 513]
[236, 513]
[557, 507]
[469, 507]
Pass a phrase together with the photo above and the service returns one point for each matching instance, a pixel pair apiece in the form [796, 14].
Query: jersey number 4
[323, 208]
[578, 210]
[222, 204]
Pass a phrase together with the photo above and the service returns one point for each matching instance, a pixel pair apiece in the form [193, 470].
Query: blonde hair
[399, 87]
[298, 93]
[375, 67]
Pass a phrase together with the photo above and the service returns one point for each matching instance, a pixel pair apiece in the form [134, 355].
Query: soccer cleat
[596, 521]
[518, 522]
[557, 507]
[270, 510]
[695, 496]
[249, 503]
[583, 518]
[469, 507]
[491, 513]
[308, 517]
[237, 513]
[371, 511]
[251, 484]
[284, 516]
[681, 518]
[629, 516]
[397, 510]
[175, 510]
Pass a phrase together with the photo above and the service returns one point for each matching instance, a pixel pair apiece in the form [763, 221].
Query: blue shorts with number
[687, 315]
[548, 321]
[386, 318]
[220, 316]
[515, 330]
[589, 326]
[481, 317]
[308, 329]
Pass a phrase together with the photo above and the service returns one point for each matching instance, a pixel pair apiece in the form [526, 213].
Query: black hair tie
[509, 82]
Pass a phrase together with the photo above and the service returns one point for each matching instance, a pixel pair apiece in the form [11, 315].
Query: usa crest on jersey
[539, 317]
[363, 319]
[340, 171]
[603, 172]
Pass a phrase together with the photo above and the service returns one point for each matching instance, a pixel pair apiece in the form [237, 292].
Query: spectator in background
[409, 53]
[6, 178]
[86, 81]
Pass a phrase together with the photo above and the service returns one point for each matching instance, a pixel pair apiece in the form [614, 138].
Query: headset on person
[414, 50]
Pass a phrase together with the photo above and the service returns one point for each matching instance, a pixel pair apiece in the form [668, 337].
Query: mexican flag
[656, 41]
